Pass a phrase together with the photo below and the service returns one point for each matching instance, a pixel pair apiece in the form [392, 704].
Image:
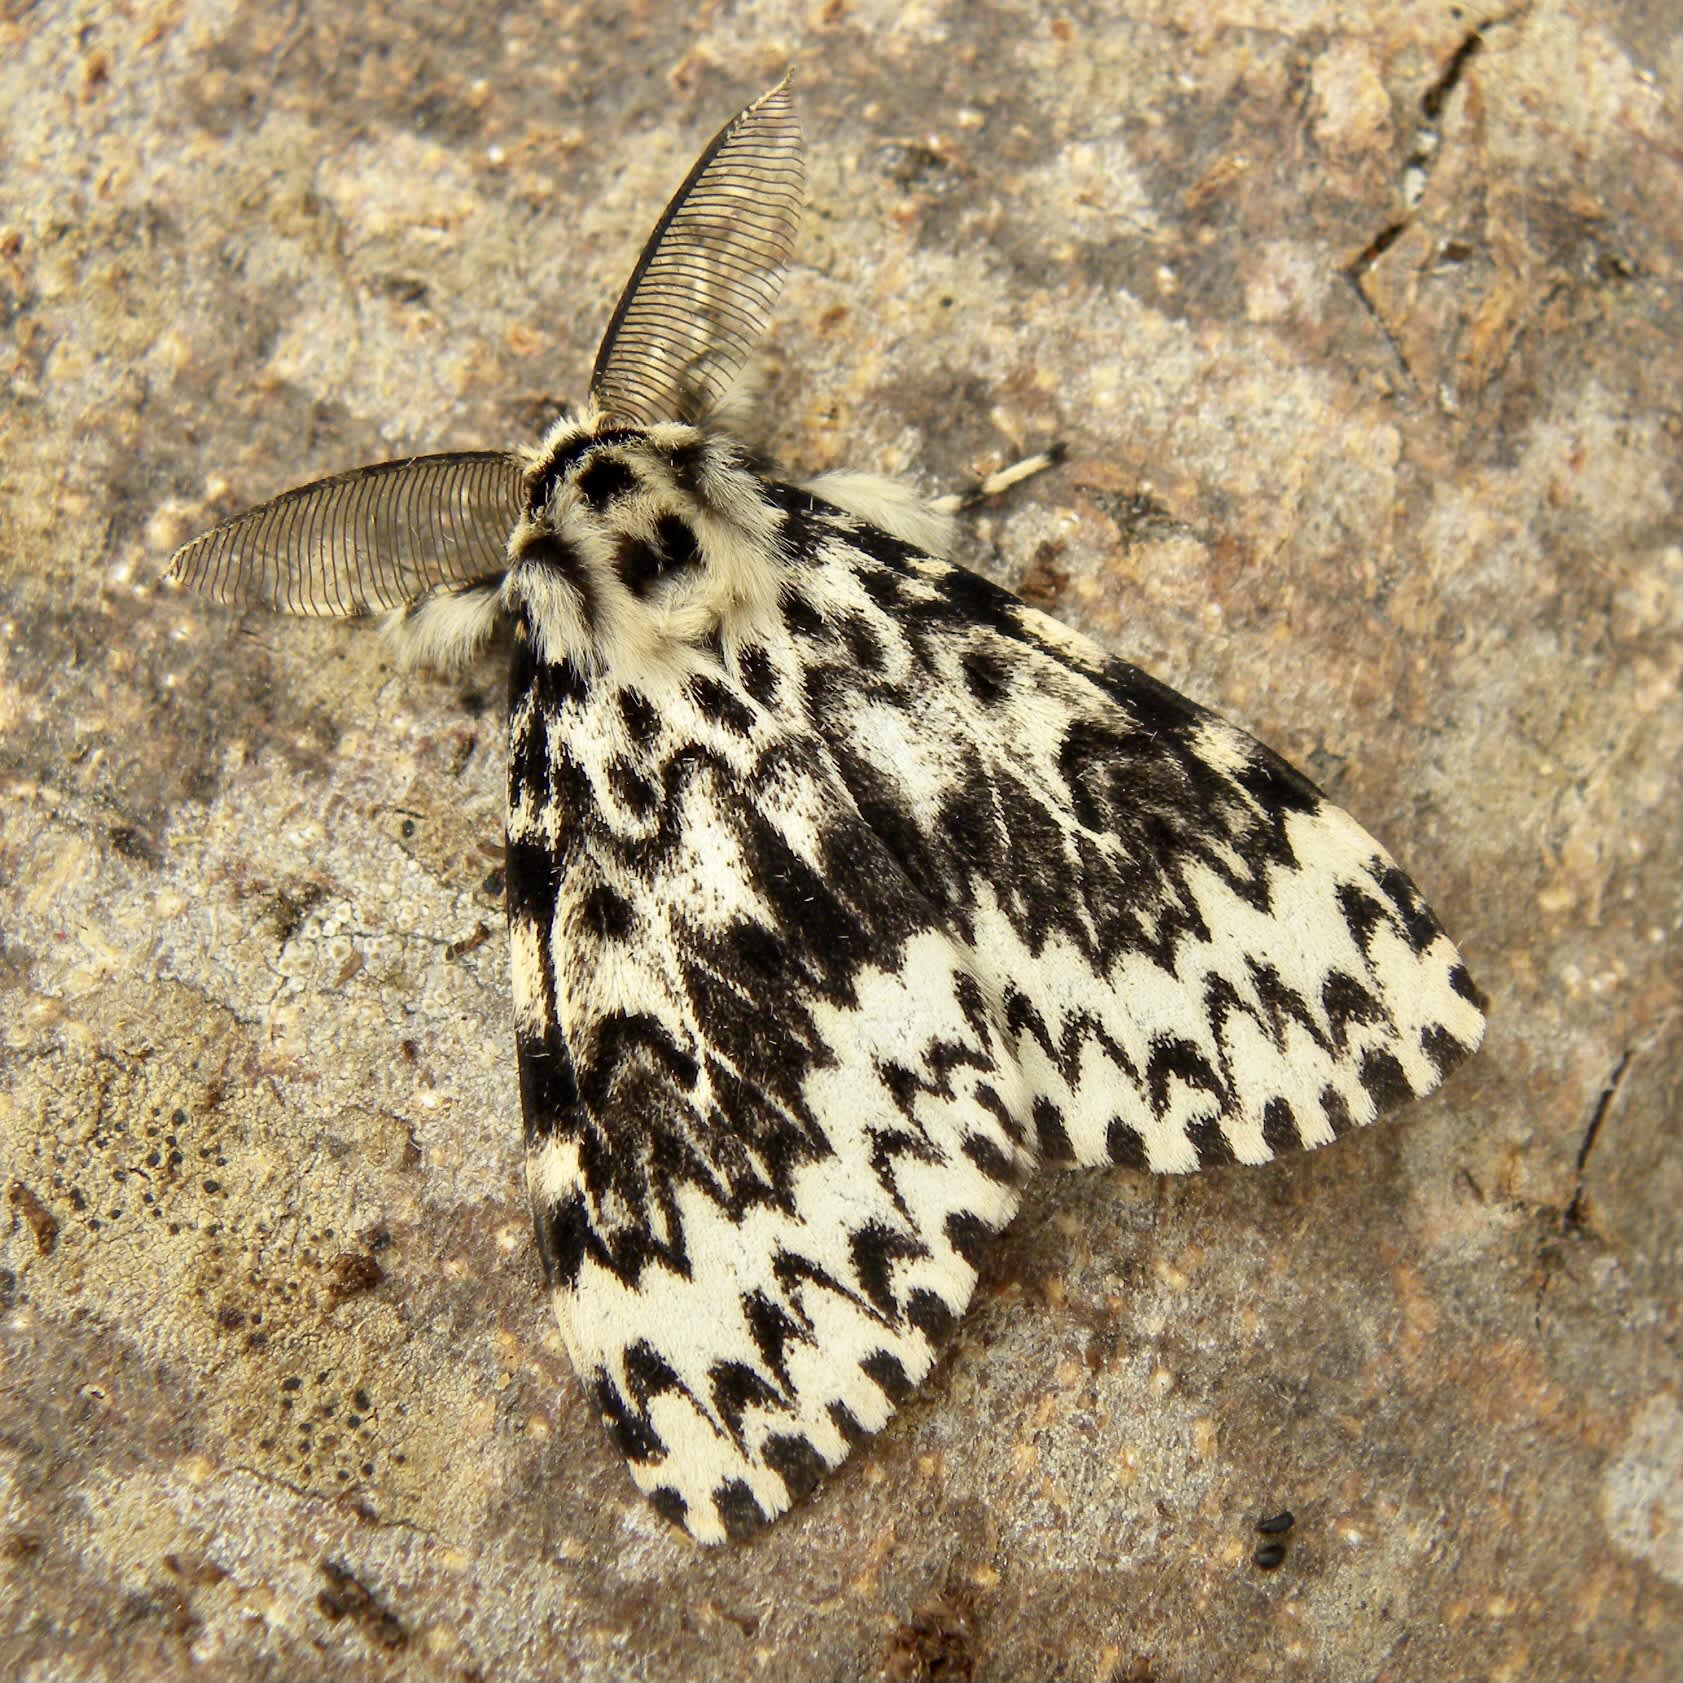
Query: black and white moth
[843, 888]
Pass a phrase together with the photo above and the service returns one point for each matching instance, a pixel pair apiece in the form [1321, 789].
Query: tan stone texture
[1361, 322]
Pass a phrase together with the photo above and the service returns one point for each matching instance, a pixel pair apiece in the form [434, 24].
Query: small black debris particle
[43, 1224]
[133, 844]
[352, 1276]
[347, 1597]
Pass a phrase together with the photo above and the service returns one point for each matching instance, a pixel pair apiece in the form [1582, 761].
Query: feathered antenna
[703, 289]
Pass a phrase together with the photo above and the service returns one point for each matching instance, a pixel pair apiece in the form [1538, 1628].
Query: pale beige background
[1365, 345]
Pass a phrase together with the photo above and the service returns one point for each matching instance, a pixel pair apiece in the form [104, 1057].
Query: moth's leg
[904, 513]
[1000, 481]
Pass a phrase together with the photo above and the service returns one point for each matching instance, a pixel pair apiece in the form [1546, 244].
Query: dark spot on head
[673, 548]
[677, 541]
[551, 553]
[638, 564]
[550, 473]
[605, 478]
[543, 548]
[688, 462]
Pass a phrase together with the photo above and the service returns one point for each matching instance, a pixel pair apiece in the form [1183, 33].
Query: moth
[844, 889]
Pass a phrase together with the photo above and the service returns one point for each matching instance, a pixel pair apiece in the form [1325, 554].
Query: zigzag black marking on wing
[1046, 849]
[750, 984]
[1137, 780]
[1112, 855]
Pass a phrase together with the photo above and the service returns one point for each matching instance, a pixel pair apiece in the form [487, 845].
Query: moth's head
[639, 543]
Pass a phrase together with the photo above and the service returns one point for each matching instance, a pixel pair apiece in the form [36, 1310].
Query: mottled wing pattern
[823, 936]
[770, 1115]
[1196, 958]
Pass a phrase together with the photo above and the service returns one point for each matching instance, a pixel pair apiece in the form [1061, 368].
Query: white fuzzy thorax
[584, 610]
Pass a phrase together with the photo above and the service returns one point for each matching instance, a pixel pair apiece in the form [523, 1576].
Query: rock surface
[1362, 325]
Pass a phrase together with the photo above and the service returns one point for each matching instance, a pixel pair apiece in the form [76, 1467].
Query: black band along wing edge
[704, 287]
[362, 542]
